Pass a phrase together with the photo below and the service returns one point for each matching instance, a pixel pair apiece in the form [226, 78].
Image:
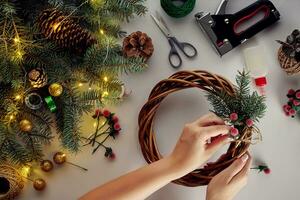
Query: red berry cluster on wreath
[293, 105]
[237, 122]
[109, 128]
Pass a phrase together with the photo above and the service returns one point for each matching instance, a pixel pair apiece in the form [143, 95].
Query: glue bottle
[256, 63]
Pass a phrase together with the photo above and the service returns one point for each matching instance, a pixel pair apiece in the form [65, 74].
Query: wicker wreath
[289, 65]
[182, 80]
[11, 182]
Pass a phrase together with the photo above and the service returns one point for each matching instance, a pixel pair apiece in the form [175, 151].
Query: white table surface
[281, 138]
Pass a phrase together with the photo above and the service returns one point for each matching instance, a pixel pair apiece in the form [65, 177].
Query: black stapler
[222, 28]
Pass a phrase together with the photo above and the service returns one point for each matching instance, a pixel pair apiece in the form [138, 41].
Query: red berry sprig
[262, 168]
[110, 128]
[293, 105]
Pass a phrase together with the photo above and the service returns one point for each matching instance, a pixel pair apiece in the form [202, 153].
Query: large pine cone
[64, 31]
[138, 44]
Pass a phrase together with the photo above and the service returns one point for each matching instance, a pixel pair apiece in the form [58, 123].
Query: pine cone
[64, 31]
[38, 78]
[138, 44]
[292, 46]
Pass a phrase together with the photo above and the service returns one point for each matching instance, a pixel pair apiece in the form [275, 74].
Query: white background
[281, 137]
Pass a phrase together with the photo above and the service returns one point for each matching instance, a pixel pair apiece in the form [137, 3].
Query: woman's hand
[193, 149]
[230, 181]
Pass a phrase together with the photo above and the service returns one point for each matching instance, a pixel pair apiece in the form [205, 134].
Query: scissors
[183, 46]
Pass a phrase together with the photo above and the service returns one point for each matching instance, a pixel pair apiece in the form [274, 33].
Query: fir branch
[248, 105]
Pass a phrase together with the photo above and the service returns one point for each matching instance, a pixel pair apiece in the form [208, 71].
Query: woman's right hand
[230, 181]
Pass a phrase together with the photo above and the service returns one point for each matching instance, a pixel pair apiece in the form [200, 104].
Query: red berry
[267, 171]
[292, 112]
[98, 112]
[117, 127]
[234, 132]
[296, 102]
[286, 108]
[298, 95]
[291, 92]
[115, 119]
[106, 113]
[233, 116]
[249, 122]
[112, 156]
[117, 132]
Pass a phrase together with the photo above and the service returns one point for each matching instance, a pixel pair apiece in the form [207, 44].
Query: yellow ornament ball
[59, 158]
[55, 89]
[46, 165]
[39, 184]
[25, 125]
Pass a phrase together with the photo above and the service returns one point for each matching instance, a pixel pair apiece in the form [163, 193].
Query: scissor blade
[161, 26]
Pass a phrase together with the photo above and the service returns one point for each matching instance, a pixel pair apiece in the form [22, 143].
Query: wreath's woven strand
[182, 80]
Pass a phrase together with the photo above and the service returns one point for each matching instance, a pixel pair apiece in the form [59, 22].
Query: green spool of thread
[178, 11]
[50, 103]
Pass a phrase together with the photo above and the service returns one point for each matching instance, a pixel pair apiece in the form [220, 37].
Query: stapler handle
[271, 15]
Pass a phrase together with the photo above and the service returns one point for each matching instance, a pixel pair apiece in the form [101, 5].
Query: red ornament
[234, 132]
[106, 113]
[267, 171]
[249, 122]
[117, 127]
[291, 92]
[233, 116]
[115, 119]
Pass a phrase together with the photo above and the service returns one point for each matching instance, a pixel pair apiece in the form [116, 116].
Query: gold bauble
[55, 89]
[59, 158]
[46, 165]
[25, 125]
[39, 184]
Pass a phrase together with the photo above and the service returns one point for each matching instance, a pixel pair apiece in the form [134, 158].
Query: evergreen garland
[23, 47]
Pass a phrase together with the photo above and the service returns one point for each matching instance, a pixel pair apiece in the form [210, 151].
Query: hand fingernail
[244, 158]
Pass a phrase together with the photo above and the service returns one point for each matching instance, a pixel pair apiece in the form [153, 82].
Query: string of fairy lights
[20, 44]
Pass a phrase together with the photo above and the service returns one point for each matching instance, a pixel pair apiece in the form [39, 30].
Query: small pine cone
[138, 44]
[66, 33]
[38, 77]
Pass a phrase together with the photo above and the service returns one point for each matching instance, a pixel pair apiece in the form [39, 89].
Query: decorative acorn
[138, 44]
[46, 165]
[289, 53]
[39, 184]
[25, 125]
[37, 77]
[66, 33]
[61, 158]
[55, 89]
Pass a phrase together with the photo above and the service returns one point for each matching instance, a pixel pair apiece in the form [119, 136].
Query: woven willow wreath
[218, 89]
